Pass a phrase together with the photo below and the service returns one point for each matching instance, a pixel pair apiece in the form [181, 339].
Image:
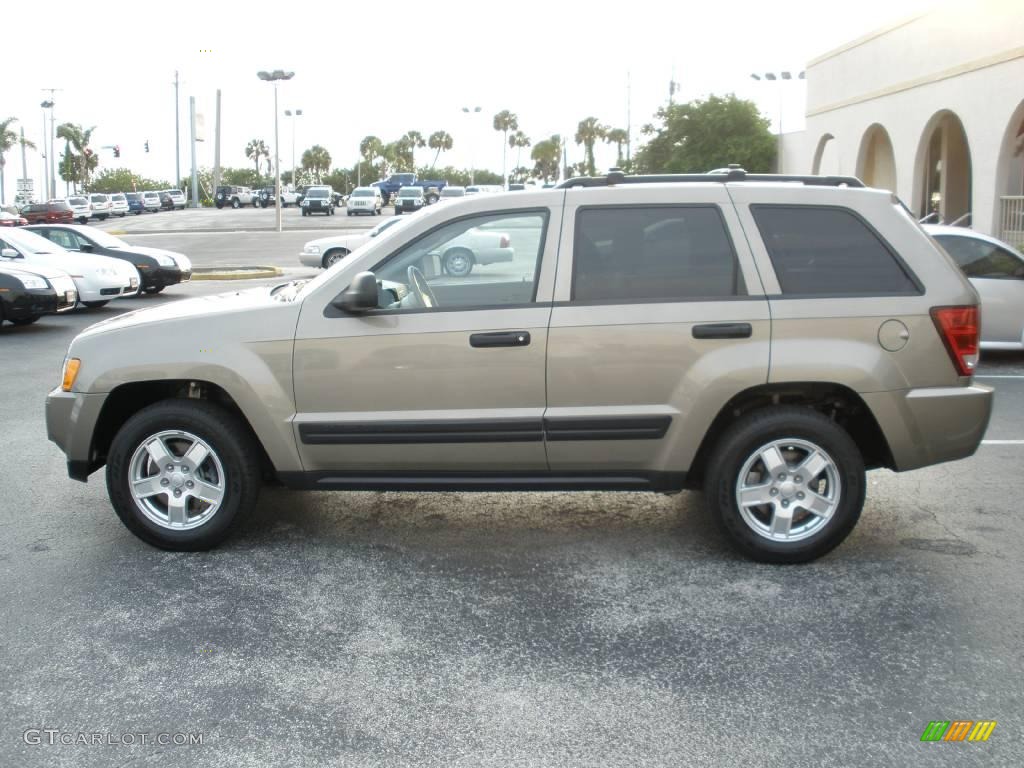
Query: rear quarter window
[829, 251]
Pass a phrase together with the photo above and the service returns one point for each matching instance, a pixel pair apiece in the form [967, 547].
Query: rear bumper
[932, 425]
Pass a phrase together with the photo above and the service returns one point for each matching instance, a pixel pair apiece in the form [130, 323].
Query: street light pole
[772, 76]
[293, 115]
[53, 131]
[472, 146]
[274, 77]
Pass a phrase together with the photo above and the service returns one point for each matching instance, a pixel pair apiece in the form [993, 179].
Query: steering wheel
[418, 284]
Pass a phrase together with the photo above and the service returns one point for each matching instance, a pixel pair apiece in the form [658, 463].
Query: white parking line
[1002, 442]
[1000, 376]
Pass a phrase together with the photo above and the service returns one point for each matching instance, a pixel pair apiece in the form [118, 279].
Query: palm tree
[255, 150]
[517, 141]
[618, 137]
[8, 140]
[316, 160]
[441, 141]
[77, 140]
[370, 148]
[547, 157]
[587, 133]
[415, 141]
[505, 121]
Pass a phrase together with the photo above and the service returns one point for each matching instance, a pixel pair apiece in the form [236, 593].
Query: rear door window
[829, 252]
[653, 253]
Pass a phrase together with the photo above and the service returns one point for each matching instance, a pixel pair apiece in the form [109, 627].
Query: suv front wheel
[786, 484]
[180, 472]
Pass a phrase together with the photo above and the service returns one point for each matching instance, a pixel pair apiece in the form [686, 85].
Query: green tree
[517, 141]
[111, 180]
[505, 121]
[317, 161]
[618, 137]
[547, 157]
[339, 180]
[256, 150]
[588, 131]
[398, 157]
[76, 138]
[8, 140]
[415, 141]
[370, 148]
[439, 141]
[701, 135]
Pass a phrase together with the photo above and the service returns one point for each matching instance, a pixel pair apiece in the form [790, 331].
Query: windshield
[104, 240]
[317, 193]
[30, 242]
[133, 196]
[117, 198]
[453, 192]
[150, 194]
[409, 192]
[363, 193]
[77, 200]
[99, 198]
[385, 225]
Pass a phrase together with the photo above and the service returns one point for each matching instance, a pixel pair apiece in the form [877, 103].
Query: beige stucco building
[931, 107]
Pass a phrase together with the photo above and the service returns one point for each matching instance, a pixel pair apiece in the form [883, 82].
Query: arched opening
[943, 183]
[876, 162]
[819, 154]
[1009, 224]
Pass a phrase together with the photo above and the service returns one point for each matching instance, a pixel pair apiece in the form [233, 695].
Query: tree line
[693, 137]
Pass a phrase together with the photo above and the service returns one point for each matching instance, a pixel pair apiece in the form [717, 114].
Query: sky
[401, 67]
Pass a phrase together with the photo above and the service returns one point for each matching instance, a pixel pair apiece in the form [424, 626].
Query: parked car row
[54, 267]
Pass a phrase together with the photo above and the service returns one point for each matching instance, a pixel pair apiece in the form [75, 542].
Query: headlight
[164, 261]
[312, 249]
[33, 282]
[305, 203]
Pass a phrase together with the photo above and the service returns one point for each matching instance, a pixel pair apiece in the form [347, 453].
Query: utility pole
[53, 133]
[24, 164]
[629, 119]
[45, 154]
[177, 138]
[216, 149]
[195, 177]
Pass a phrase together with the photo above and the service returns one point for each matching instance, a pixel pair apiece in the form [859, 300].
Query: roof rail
[615, 177]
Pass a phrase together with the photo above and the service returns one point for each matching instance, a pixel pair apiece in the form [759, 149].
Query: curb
[235, 273]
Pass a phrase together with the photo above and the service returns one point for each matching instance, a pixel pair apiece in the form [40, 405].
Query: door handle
[722, 331]
[500, 339]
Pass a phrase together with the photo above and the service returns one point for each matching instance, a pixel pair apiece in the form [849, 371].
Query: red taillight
[504, 241]
[960, 329]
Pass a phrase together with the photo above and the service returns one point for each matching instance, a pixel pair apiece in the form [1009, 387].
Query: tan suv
[766, 339]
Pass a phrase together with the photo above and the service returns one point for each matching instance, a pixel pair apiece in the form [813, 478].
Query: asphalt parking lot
[358, 629]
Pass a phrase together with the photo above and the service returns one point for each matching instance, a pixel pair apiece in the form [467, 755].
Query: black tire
[83, 220]
[95, 304]
[397, 212]
[23, 320]
[229, 439]
[431, 199]
[740, 442]
[333, 256]
[458, 262]
[218, 204]
[348, 213]
[236, 203]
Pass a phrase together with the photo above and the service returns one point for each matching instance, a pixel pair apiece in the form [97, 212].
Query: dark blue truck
[389, 187]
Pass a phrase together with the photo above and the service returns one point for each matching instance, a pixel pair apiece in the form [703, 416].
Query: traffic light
[117, 150]
[147, 145]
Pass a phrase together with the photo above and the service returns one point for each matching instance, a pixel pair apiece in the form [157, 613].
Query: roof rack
[615, 177]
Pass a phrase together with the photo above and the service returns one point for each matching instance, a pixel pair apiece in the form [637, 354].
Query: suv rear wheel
[786, 484]
[332, 257]
[180, 472]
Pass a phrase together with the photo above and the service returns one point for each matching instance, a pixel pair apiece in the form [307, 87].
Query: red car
[11, 220]
[53, 212]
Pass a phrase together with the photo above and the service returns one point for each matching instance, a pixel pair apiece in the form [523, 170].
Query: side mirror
[360, 296]
[10, 253]
[85, 247]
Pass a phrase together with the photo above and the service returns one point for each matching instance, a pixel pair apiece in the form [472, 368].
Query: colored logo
[958, 730]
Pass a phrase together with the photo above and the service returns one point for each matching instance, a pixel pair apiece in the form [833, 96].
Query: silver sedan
[996, 269]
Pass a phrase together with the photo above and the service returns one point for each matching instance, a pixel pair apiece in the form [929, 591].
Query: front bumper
[31, 302]
[70, 422]
[161, 277]
[932, 425]
[311, 259]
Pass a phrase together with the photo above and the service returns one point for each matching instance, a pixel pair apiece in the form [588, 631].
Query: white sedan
[98, 279]
[327, 251]
[996, 270]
